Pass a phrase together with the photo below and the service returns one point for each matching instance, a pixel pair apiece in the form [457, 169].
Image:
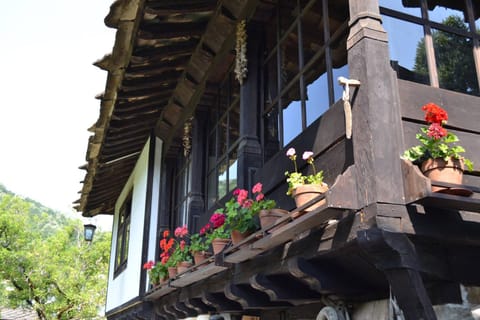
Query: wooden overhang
[164, 53]
[334, 255]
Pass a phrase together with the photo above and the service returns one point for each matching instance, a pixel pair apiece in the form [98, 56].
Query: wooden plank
[451, 202]
[462, 108]
[283, 234]
[159, 292]
[185, 279]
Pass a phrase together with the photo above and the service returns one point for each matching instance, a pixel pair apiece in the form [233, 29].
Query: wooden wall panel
[463, 110]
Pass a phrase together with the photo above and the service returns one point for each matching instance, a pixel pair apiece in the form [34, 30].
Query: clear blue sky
[47, 90]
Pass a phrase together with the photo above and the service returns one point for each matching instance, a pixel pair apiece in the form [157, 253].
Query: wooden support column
[377, 127]
[249, 150]
[395, 255]
[197, 201]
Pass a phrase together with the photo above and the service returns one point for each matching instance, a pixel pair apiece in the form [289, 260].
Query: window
[123, 235]
[305, 53]
[434, 45]
[223, 139]
[182, 187]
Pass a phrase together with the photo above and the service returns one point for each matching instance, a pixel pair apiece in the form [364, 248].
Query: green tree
[47, 266]
[454, 58]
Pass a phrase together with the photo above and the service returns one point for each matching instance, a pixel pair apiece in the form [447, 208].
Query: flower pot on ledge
[307, 192]
[438, 169]
[269, 217]
[238, 236]
[219, 244]
[183, 266]
[200, 256]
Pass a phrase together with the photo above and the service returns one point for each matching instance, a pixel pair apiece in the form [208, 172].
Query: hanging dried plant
[187, 137]
[241, 52]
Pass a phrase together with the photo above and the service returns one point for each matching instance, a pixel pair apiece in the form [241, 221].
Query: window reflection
[409, 64]
[454, 57]
[439, 13]
[298, 81]
[317, 98]
[397, 5]
[292, 122]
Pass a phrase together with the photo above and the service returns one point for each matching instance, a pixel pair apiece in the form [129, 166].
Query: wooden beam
[395, 255]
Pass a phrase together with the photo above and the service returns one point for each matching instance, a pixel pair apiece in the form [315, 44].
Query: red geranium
[435, 114]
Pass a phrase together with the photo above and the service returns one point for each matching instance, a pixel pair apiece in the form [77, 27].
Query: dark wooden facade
[381, 232]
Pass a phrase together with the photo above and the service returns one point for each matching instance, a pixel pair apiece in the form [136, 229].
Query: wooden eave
[163, 55]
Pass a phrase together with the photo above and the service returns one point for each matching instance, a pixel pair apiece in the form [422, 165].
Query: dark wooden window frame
[123, 233]
[427, 27]
[323, 53]
[231, 146]
[182, 192]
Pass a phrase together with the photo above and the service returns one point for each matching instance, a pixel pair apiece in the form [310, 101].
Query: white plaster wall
[126, 285]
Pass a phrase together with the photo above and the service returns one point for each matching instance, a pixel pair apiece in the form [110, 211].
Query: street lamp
[88, 231]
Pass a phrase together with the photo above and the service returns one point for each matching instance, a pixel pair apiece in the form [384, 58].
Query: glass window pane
[211, 151]
[312, 32]
[455, 64]
[222, 137]
[232, 172]
[212, 189]
[292, 121]
[440, 13]
[398, 6]
[337, 88]
[317, 98]
[222, 179]
[407, 50]
[271, 85]
[234, 121]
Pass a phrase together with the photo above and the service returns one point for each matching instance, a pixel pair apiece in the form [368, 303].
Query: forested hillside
[46, 265]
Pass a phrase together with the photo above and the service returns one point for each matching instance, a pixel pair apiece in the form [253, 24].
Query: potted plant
[157, 272]
[304, 188]
[167, 247]
[438, 155]
[216, 233]
[199, 245]
[240, 212]
[181, 254]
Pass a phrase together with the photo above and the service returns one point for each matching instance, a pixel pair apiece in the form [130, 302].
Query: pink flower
[204, 229]
[307, 155]
[182, 245]
[291, 152]
[242, 196]
[247, 203]
[257, 188]
[148, 265]
[165, 259]
[260, 197]
[236, 192]
[181, 232]
[436, 131]
[217, 219]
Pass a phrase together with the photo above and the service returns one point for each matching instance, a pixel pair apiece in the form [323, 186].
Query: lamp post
[88, 231]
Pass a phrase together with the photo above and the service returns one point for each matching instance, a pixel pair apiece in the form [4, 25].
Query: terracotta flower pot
[238, 236]
[183, 266]
[219, 244]
[306, 192]
[200, 256]
[450, 171]
[269, 217]
[172, 272]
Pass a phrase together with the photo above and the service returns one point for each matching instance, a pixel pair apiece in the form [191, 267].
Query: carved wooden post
[377, 130]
